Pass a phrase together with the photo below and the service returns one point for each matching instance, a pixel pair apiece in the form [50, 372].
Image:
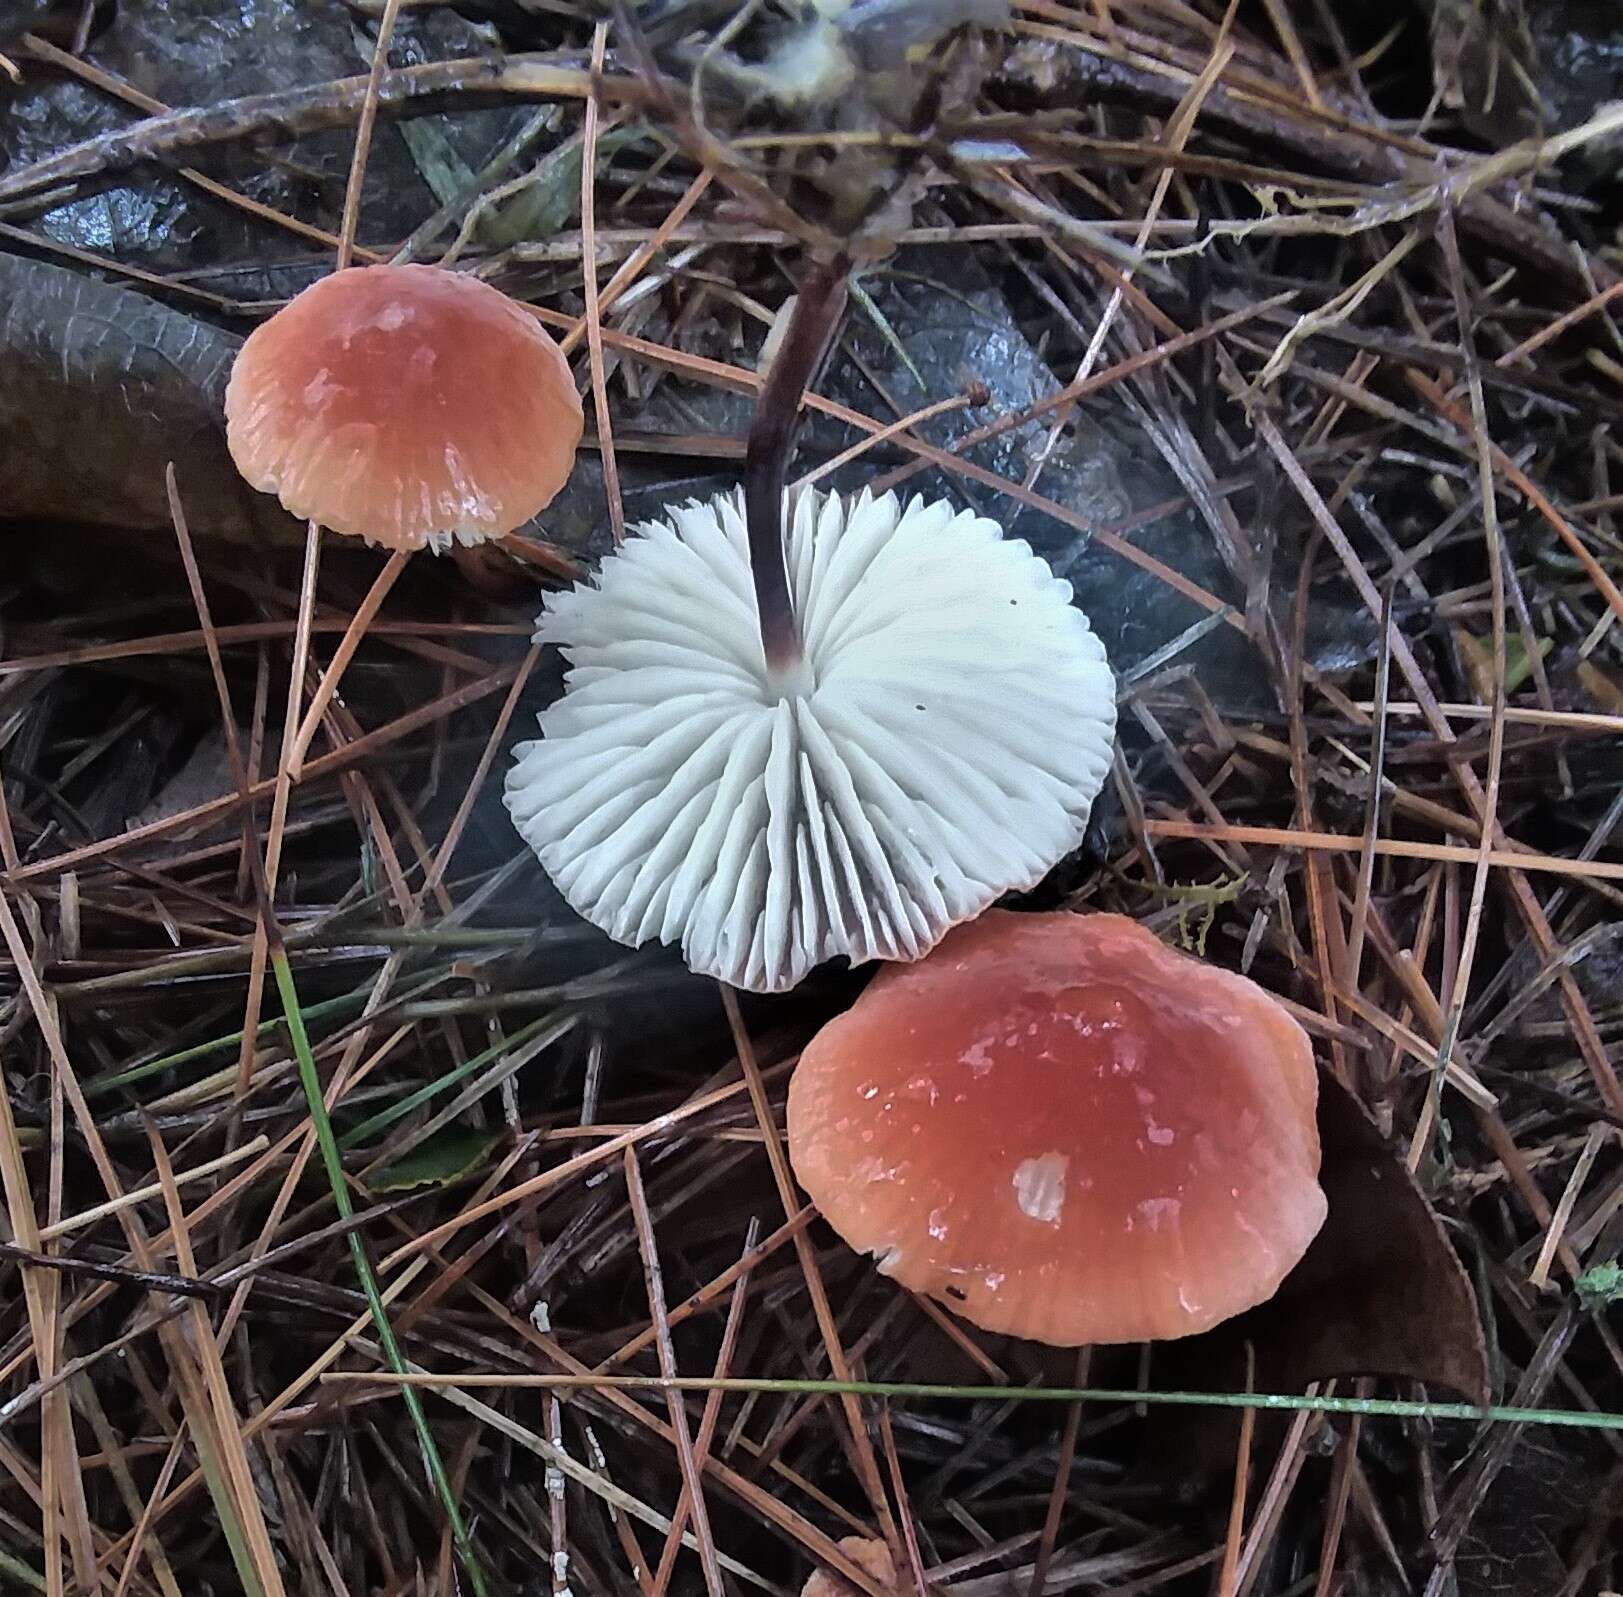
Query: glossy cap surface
[1065, 1130]
[405, 404]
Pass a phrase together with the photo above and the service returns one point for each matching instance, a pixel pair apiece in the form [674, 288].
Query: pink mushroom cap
[408, 405]
[1065, 1130]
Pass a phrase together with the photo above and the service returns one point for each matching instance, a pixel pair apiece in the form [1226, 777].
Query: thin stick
[1372, 815]
[1336, 1517]
[1228, 1578]
[712, 1406]
[363, 135]
[1559, 720]
[1300, 64]
[1554, 329]
[862, 1446]
[77, 1265]
[653, 1278]
[476, 783]
[1539, 1276]
[594, 313]
[930, 1391]
[168, 643]
[1421, 1139]
[902, 424]
[631, 268]
[155, 1189]
[1397, 848]
[342, 655]
[139, 1535]
[898, 1484]
[1178, 128]
[1060, 1491]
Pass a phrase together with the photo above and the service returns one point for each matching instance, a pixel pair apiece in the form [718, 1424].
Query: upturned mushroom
[775, 749]
[1065, 1131]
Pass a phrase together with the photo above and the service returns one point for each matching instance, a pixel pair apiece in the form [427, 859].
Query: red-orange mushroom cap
[409, 405]
[1066, 1131]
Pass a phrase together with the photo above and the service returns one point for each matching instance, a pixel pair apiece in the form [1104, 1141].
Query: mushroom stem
[342, 655]
[799, 362]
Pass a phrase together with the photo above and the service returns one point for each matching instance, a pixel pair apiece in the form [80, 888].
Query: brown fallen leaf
[1380, 1292]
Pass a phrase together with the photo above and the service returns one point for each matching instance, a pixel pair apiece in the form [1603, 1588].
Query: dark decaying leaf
[1530, 1511]
[1380, 1292]
[86, 359]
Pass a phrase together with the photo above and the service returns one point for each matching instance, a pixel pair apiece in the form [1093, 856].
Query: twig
[594, 318]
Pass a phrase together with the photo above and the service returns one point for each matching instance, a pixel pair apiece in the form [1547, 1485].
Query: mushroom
[776, 750]
[870, 1556]
[1065, 1131]
[408, 405]
[937, 742]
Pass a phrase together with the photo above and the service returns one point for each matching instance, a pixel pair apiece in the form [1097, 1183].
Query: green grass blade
[15, 1569]
[225, 1508]
[926, 1391]
[101, 1085]
[385, 1118]
[328, 1145]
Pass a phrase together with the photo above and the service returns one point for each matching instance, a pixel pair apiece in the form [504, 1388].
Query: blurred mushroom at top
[1065, 1131]
[873, 1557]
[783, 745]
[411, 406]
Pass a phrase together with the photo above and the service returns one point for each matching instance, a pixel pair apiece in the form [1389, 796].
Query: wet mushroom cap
[408, 405]
[939, 743]
[1065, 1131]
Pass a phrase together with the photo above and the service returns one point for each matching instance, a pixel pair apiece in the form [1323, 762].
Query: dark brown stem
[807, 341]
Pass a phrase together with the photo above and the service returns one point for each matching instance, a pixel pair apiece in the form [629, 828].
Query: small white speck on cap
[1039, 1187]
